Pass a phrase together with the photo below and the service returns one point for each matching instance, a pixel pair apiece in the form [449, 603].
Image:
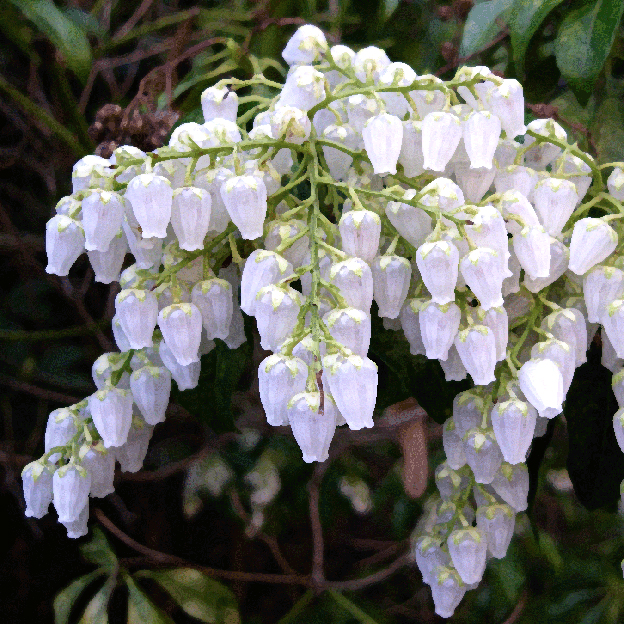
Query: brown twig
[43, 393]
[318, 546]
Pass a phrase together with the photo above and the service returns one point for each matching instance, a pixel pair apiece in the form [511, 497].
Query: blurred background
[224, 522]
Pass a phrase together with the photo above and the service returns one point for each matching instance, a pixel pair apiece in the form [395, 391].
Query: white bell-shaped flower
[37, 484]
[304, 88]
[511, 483]
[359, 232]
[290, 124]
[219, 103]
[411, 222]
[429, 100]
[100, 463]
[429, 556]
[137, 311]
[281, 378]
[391, 280]
[79, 527]
[280, 232]
[468, 549]
[181, 327]
[448, 482]
[542, 154]
[121, 340]
[111, 410]
[601, 286]
[515, 204]
[277, 311]
[615, 184]
[484, 272]
[107, 264]
[151, 387]
[447, 590]
[69, 206]
[467, 411]
[65, 241]
[212, 181]
[167, 294]
[541, 383]
[569, 326]
[593, 240]
[617, 384]
[350, 327]
[513, 422]
[438, 263]
[262, 268]
[410, 324]
[214, 300]
[132, 454]
[359, 110]
[312, 426]
[60, 429]
[483, 454]
[151, 196]
[382, 136]
[70, 485]
[441, 133]
[488, 230]
[476, 346]
[343, 57]
[396, 75]
[245, 198]
[190, 216]
[369, 63]
[497, 523]
[147, 252]
[497, 320]
[338, 161]
[559, 257]
[609, 358]
[516, 177]
[439, 325]
[554, 200]
[90, 170]
[618, 427]
[453, 445]
[354, 278]
[481, 132]
[353, 384]
[187, 377]
[511, 284]
[411, 155]
[506, 101]
[559, 352]
[102, 216]
[453, 367]
[475, 183]
[307, 45]
[613, 323]
[532, 248]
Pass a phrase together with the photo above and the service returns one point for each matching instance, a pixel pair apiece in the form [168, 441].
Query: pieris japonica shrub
[359, 181]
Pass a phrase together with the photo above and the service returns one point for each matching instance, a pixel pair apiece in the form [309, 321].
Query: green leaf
[198, 595]
[389, 7]
[66, 598]
[584, 41]
[481, 27]
[525, 19]
[70, 40]
[141, 610]
[211, 401]
[98, 551]
[595, 461]
[96, 611]
[608, 130]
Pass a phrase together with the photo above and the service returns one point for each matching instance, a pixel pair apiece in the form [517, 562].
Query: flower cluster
[359, 181]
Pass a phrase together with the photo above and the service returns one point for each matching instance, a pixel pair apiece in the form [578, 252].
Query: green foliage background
[60, 62]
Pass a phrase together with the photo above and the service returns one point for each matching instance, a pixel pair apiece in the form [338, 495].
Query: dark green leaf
[481, 25]
[389, 7]
[535, 458]
[608, 130]
[200, 596]
[221, 372]
[141, 610]
[584, 41]
[98, 551]
[70, 40]
[66, 598]
[595, 461]
[96, 611]
[524, 20]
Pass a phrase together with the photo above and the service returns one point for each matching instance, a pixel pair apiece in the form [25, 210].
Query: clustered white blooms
[464, 225]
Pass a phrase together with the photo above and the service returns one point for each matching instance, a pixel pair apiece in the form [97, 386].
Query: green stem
[353, 609]
[298, 607]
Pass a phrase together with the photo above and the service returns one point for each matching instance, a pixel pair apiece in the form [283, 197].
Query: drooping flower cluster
[359, 181]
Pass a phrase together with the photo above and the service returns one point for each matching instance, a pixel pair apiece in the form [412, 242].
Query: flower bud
[411, 155]
[290, 124]
[506, 101]
[181, 327]
[190, 216]
[382, 136]
[282, 231]
[262, 268]
[438, 263]
[453, 367]
[360, 231]
[593, 241]
[569, 326]
[476, 346]
[281, 377]
[516, 178]
[453, 445]
[489, 230]
[111, 410]
[277, 311]
[483, 454]
[447, 590]
[100, 464]
[515, 204]
[350, 327]
[65, 241]
[312, 426]
[90, 170]
[497, 523]
[151, 197]
[137, 311]
[542, 154]
[391, 280]
[410, 324]
[559, 256]
[37, 482]
[468, 548]
[475, 183]
[511, 483]
[554, 201]
[59, 431]
[481, 132]
[304, 88]
[354, 278]
[541, 383]
[245, 198]
[484, 272]
[132, 454]
[352, 382]
[429, 100]
[513, 422]
[601, 286]
[338, 161]
[429, 556]
[411, 222]
[107, 264]
[80, 526]
[151, 387]
[187, 377]
[439, 325]
[441, 133]
[219, 103]
[615, 184]
[307, 45]
[532, 248]
[369, 63]
[467, 411]
[71, 485]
